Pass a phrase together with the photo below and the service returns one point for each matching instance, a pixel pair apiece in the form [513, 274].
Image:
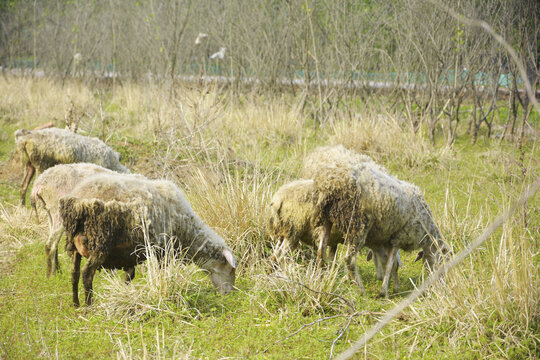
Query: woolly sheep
[109, 217]
[48, 188]
[41, 149]
[325, 156]
[290, 218]
[375, 209]
[291, 210]
[337, 155]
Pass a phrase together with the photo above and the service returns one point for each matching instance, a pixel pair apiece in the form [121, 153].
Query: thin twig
[347, 301]
[357, 313]
[300, 329]
[341, 332]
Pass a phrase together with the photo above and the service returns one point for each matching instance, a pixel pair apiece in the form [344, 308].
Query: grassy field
[230, 154]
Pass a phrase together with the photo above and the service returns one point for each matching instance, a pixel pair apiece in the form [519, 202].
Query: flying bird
[219, 55]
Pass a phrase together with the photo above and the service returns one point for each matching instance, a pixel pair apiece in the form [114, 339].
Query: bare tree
[438, 72]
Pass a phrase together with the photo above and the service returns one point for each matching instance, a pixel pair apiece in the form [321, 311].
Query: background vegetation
[329, 51]
[445, 110]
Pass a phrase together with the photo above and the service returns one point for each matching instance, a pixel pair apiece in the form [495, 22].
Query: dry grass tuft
[160, 347]
[306, 288]
[17, 229]
[30, 102]
[161, 289]
[237, 207]
[489, 304]
[385, 137]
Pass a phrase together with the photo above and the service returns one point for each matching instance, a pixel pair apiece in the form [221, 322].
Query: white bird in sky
[200, 38]
[219, 55]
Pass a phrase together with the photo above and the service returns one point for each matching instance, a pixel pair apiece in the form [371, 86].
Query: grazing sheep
[338, 155]
[290, 218]
[108, 218]
[49, 187]
[325, 156]
[374, 208]
[44, 148]
[291, 210]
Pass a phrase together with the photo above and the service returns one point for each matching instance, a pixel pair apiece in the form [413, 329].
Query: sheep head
[222, 271]
[434, 254]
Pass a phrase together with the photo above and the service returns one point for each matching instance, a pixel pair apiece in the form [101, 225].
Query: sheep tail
[21, 144]
[33, 205]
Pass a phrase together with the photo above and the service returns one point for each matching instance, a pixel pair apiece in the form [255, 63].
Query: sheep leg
[75, 274]
[88, 277]
[395, 272]
[378, 255]
[129, 274]
[391, 252]
[34, 210]
[51, 251]
[30, 171]
[350, 260]
[324, 235]
[395, 276]
[354, 245]
[332, 252]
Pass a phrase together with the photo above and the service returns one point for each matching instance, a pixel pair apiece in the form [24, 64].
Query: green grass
[38, 319]
[230, 157]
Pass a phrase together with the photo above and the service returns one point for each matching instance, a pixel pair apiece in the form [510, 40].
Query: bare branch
[484, 25]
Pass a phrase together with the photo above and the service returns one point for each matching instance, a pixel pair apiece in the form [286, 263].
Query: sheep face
[222, 271]
[434, 254]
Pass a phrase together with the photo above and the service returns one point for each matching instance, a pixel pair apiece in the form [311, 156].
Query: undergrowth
[230, 154]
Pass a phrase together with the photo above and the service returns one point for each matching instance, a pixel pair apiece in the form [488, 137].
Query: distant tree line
[332, 46]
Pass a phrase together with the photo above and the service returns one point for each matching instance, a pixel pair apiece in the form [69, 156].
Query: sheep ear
[420, 255]
[369, 255]
[21, 132]
[229, 257]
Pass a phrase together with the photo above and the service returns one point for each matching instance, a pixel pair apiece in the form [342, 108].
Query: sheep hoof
[362, 291]
[360, 286]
